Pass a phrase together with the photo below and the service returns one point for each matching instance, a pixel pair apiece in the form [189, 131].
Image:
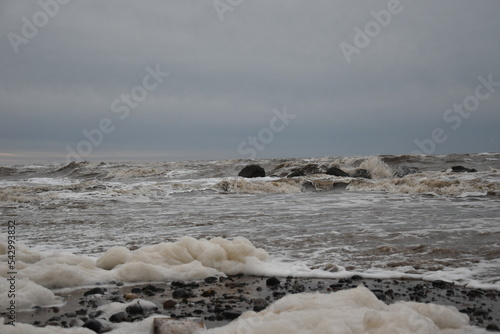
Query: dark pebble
[379, 294]
[136, 290]
[259, 304]
[135, 309]
[230, 315]
[211, 280]
[181, 293]
[169, 304]
[492, 328]
[96, 314]
[208, 293]
[95, 291]
[118, 317]
[81, 312]
[94, 325]
[153, 288]
[273, 281]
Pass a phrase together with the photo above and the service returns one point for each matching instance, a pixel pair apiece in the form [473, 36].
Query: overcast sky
[225, 79]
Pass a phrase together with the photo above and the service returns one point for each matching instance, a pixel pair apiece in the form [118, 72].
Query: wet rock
[181, 293]
[81, 312]
[273, 281]
[130, 296]
[96, 314]
[136, 290]
[118, 317]
[492, 328]
[462, 169]
[336, 172]
[95, 291]
[152, 288]
[230, 315]
[295, 174]
[259, 304]
[211, 279]
[252, 171]
[94, 325]
[362, 173]
[208, 293]
[442, 284]
[135, 309]
[169, 304]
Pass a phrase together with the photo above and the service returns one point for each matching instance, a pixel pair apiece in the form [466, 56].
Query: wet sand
[219, 300]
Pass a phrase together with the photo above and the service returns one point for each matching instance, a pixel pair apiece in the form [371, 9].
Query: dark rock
[169, 304]
[178, 284]
[295, 174]
[136, 290]
[273, 281]
[94, 325]
[310, 169]
[336, 172]
[362, 173]
[152, 288]
[96, 314]
[462, 169]
[492, 328]
[401, 171]
[208, 293]
[252, 171]
[95, 291]
[442, 284]
[118, 317]
[181, 293]
[279, 294]
[211, 279]
[135, 309]
[230, 315]
[297, 288]
[259, 304]
[81, 312]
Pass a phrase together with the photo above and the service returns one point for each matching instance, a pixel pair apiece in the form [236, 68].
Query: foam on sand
[354, 311]
[186, 259]
[349, 311]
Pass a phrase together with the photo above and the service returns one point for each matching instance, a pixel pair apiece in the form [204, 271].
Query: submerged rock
[273, 281]
[336, 172]
[95, 291]
[94, 325]
[252, 171]
[462, 169]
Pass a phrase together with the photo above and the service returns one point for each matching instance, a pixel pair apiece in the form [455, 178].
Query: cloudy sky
[224, 79]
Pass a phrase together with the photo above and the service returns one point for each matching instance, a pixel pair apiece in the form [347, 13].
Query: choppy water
[434, 224]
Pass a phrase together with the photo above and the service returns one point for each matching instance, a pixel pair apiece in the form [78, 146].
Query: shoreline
[218, 301]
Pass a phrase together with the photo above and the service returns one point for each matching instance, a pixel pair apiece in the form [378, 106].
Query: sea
[403, 217]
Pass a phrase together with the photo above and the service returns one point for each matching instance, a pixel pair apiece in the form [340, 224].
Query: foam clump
[27, 294]
[349, 311]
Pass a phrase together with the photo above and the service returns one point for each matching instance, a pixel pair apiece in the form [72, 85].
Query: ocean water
[90, 222]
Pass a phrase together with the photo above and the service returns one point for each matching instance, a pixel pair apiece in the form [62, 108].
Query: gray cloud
[227, 76]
